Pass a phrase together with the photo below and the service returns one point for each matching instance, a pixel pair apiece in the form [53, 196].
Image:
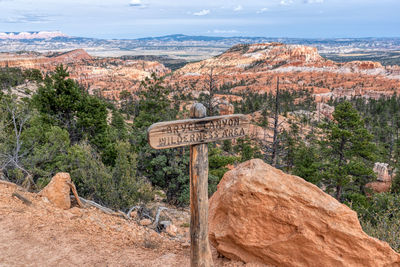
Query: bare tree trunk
[211, 90]
[19, 119]
[276, 125]
[338, 192]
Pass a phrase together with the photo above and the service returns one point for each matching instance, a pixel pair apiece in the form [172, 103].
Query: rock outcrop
[102, 76]
[382, 172]
[58, 190]
[255, 67]
[260, 214]
[325, 110]
[225, 108]
[383, 181]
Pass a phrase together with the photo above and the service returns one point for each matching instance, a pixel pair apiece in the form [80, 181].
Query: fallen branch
[96, 205]
[22, 198]
[123, 214]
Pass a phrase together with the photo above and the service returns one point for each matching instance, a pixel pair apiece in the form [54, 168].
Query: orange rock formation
[255, 67]
[261, 215]
[57, 191]
[103, 76]
[243, 67]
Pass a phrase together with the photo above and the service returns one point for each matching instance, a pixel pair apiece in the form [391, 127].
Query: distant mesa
[31, 35]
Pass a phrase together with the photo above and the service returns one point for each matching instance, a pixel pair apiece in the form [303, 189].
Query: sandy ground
[39, 234]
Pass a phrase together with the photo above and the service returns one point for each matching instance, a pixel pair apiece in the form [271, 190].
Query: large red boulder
[260, 214]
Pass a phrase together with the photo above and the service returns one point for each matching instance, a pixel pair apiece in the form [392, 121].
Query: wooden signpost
[197, 132]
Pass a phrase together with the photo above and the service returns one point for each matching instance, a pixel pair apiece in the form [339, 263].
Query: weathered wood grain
[200, 252]
[197, 131]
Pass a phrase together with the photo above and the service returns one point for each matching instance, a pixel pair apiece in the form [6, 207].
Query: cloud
[26, 18]
[262, 10]
[313, 1]
[238, 8]
[202, 12]
[137, 3]
[286, 2]
[223, 31]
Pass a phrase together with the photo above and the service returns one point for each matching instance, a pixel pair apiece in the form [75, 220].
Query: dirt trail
[42, 235]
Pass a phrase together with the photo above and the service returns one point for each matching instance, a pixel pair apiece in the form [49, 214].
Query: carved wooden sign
[197, 131]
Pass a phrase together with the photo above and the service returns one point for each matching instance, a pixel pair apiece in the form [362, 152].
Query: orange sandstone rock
[255, 68]
[379, 187]
[384, 180]
[57, 191]
[261, 215]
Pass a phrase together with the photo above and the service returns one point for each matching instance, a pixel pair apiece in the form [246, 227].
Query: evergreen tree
[61, 102]
[166, 168]
[153, 104]
[348, 151]
[58, 100]
[307, 164]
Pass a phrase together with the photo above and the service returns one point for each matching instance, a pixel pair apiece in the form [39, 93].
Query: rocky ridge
[252, 67]
[102, 76]
[255, 67]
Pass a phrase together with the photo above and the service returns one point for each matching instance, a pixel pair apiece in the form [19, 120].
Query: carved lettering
[179, 139]
[162, 141]
[192, 131]
[183, 127]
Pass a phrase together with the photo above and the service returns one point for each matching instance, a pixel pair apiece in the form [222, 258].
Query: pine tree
[348, 151]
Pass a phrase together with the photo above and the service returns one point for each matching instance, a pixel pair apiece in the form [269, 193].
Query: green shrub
[380, 218]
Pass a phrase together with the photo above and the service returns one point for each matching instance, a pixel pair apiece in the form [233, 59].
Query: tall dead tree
[276, 127]
[211, 88]
[12, 156]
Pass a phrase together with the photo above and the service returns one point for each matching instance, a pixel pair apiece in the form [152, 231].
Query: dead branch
[96, 205]
[73, 188]
[132, 209]
[159, 210]
[123, 214]
[22, 198]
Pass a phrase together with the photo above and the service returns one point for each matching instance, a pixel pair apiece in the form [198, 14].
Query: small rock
[171, 230]
[185, 244]
[133, 214]
[57, 191]
[76, 211]
[145, 222]
[165, 223]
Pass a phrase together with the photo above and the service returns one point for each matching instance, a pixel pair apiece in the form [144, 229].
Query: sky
[119, 19]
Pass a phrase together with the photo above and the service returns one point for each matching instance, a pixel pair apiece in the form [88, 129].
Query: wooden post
[200, 252]
[196, 133]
